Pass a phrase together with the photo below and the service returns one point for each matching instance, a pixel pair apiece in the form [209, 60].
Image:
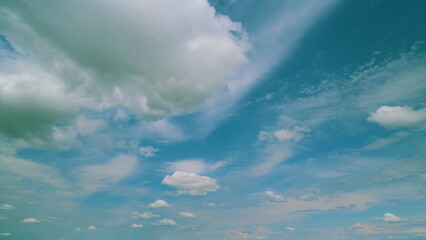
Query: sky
[212, 120]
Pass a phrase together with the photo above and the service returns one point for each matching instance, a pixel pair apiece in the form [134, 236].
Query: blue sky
[221, 119]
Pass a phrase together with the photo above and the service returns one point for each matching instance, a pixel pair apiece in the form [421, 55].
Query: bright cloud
[135, 225]
[272, 197]
[7, 207]
[159, 203]
[397, 116]
[30, 220]
[291, 229]
[92, 228]
[165, 222]
[191, 183]
[187, 214]
[391, 218]
[94, 177]
[148, 151]
[5, 234]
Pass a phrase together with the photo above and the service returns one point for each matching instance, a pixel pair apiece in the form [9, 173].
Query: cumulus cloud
[148, 151]
[396, 116]
[181, 56]
[94, 177]
[92, 228]
[147, 215]
[7, 207]
[194, 165]
[187, 214]
[135, 225]
[165, 222]
[191, 183]
[159, 203]
[291, 229]
[86, 126]
[391, 218]
[272, 197]
[30, 220]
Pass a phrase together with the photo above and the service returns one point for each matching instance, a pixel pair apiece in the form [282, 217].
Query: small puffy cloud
[30, 220]
[94, 177]
[296, 133]
[391, 218]
[291, 229]
[165, 222]
[148, 151]
[191, 183]
[272, 197]
[396, 116]
[187, 214]
[146, 215]
[194, 165]
[5, 234]
[92, 228]
[7, 207]
[159, 203]
[134, 225]
[77, 229]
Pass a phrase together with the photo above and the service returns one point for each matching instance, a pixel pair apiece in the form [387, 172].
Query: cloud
[6, 207]
[94, 177]
[92, 228]
[201, 49]
[86, 126]
[362, 228]
[30, 220]
[291, 229]
[165, 222]
[159, 203]
[148, 151]
[187, 214]
[391, 218]
[274, 155]
[396, 116]
[291, 134]
[134, 225]
[235, 233]
[33, 171]
[5, 234]
[147, 215]
[191, 183]
[272, 197]
[194, 165]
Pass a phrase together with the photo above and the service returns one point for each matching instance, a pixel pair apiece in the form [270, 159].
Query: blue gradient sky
[212, 119]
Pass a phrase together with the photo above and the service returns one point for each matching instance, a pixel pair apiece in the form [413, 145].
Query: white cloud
[86, 126]
[199, 47]
[134, 225]
[191, 183]
[235, 233]
[291, 229]
[77, 229]
[148, 151]
[272, 197]
[391, 218]
[147, 215]
[274, 155]
[165, 222]
[92, 228]
[396, 116]
[94, 177]
[159, 203]
[295, 133]
[187, 214]
[7, 207]
[5, 234]
[194, 165]
[30, 220]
